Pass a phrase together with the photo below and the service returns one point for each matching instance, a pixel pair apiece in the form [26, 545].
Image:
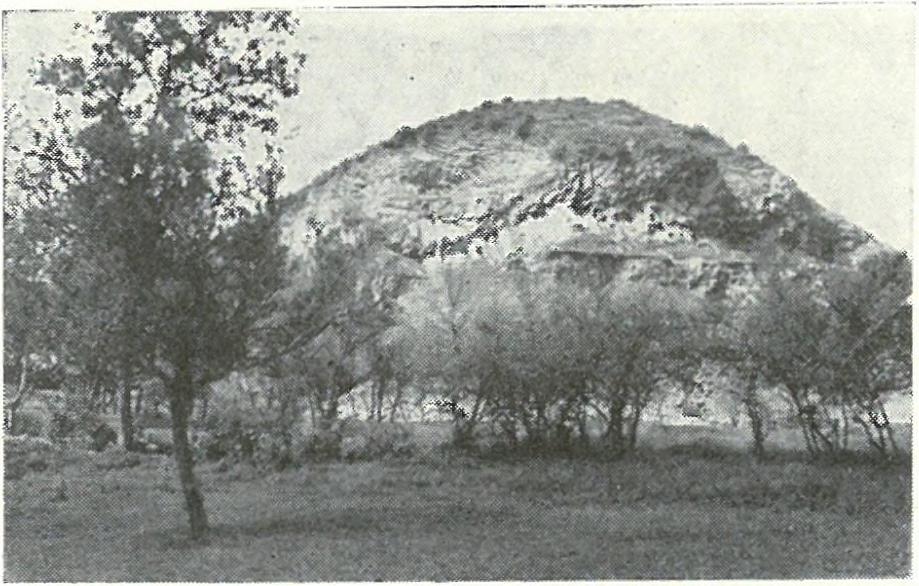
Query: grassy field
[663, 513]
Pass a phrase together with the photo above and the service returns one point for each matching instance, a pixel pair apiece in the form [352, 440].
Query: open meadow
[700, 510]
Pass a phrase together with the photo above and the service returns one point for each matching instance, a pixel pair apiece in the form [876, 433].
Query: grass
[658, 514]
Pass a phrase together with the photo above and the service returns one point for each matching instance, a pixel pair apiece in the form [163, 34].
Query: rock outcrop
[564, 182]
[502, 166]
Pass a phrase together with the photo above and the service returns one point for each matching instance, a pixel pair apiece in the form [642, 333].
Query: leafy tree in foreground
[152, 202]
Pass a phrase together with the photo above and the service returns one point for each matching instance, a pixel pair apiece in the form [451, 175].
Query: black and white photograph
[437, 293]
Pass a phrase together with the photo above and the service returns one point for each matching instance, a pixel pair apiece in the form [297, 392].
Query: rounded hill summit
[539, 177]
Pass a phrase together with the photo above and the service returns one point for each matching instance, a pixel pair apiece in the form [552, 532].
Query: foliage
[64, 425]
[836, 358]
[33, 423]
[117, 458]
[404, 136]
[154, 202]
[102, 436]
[353, 282]
[525, 130]
[31, 301]
[535, 358]
[374, 440]
[321, 445]
[247, 422]
[24, 453]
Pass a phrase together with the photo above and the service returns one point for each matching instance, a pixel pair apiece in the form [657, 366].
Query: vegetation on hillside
[491, 169]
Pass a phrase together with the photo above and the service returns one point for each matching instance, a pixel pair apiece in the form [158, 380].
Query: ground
[677, 512]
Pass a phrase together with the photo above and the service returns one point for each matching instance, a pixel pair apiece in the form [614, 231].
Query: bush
[32, 422]
[376, 440]
[319, 446]
[497, 124]
[155, 441]
[525, 130]
[258, 444]
[273, 450]
[243, 425]
[117, 458]
[102, 436]
[25, 443]
[480, 439]
[428, 132]
[227, 439]
[23, 454]
[352, 440]
[37, 462]
[404, 136]
[63, 426]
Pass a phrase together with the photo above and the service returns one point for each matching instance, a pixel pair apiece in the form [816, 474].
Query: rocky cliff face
[573, 181]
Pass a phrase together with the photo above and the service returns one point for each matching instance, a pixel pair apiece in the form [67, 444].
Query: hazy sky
[825, 93]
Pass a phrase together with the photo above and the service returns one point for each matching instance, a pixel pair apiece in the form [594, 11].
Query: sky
[824, 93]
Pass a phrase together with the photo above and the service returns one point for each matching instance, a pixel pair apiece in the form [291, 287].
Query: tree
[443, 342]
[390, 374]
[787, 332]
[644, 339]
[154, 197]
[729, 347]
[30, 301]
[835, 347]
[871, 355]
[347, 291]
[530, 354]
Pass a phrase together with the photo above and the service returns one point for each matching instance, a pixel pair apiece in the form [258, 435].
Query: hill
[533, 178]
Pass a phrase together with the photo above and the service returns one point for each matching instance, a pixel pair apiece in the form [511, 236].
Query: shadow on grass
[336, 524]
[340, 524]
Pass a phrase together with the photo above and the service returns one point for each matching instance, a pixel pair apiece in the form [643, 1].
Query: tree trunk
[396, 402]
[614, 429]
[816, 442]
[756, 427]
[845, 428]
[634, 422]
[888, 428]
[21, 393]
[127, 417]
[633, 430]
[581, 419]
[373, 403]
[312, 403]
[181, 401]
[138, 402]
[755, 410]
[328, 413]
[205, 403]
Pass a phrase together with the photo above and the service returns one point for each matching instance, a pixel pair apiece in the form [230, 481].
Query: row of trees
[539, 358]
